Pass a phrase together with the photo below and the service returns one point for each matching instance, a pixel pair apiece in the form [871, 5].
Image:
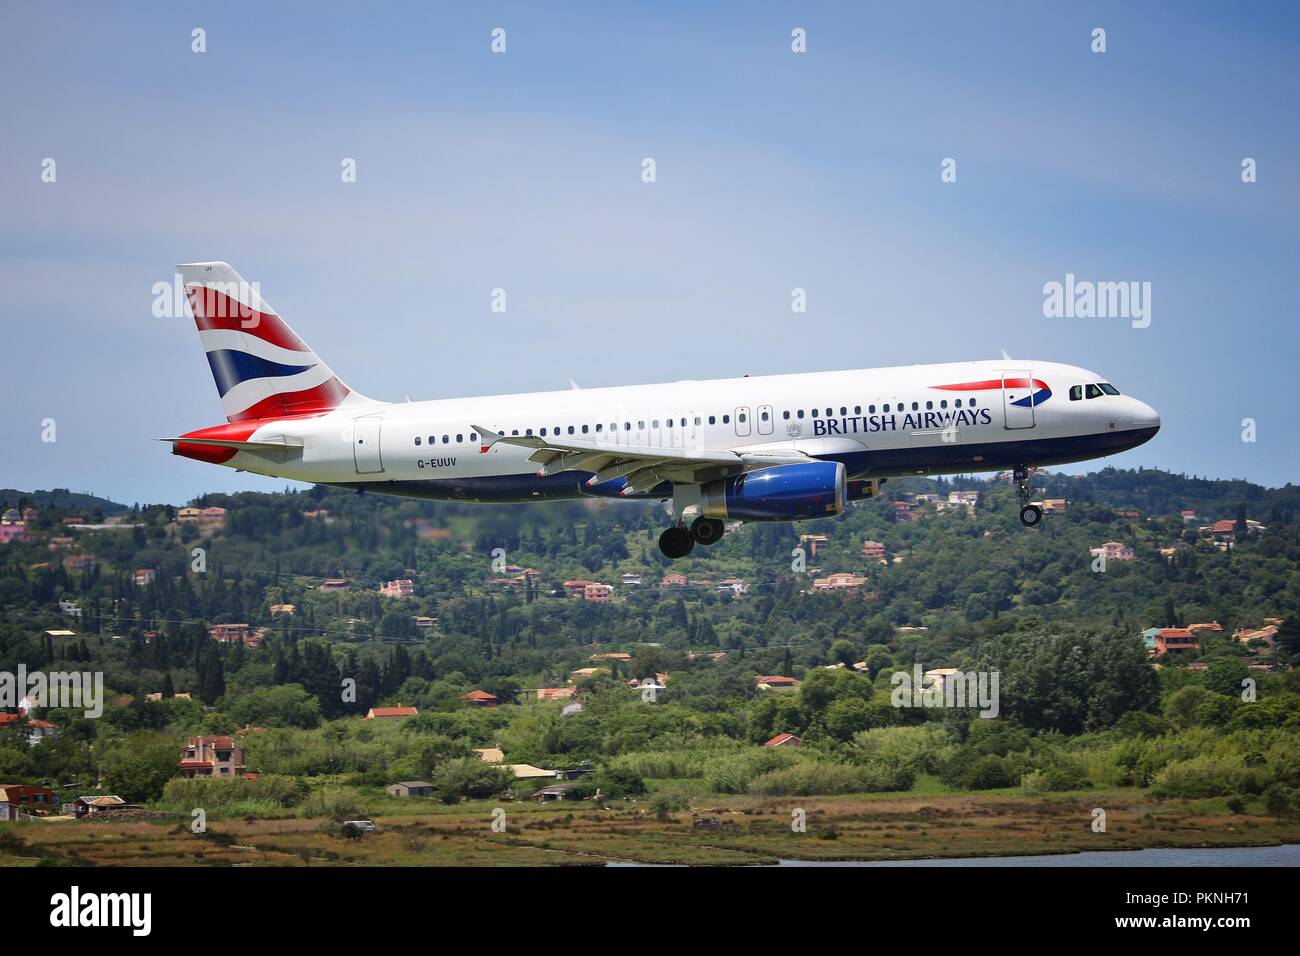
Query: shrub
[469, 778]
[235, 796]
[734, 772]
[617, 782]
[915, 749]
[811, 778]
[983, 773]
[666, 804]
[1062, 774]
[1208, 775]
[1280, 800]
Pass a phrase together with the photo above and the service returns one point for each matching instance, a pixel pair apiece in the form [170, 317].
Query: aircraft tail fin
[261, 367]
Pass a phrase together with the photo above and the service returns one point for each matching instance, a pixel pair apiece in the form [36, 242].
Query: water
[1286, 855]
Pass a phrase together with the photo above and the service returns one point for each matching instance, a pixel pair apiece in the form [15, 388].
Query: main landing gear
[706, 530]
[678, 541]
[1030, 515]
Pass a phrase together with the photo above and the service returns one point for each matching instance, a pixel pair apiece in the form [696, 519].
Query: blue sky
[522, 171]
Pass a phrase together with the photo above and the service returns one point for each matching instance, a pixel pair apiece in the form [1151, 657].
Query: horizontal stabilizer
[237, 445]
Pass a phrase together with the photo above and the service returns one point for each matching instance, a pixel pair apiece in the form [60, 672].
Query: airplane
[760, 448]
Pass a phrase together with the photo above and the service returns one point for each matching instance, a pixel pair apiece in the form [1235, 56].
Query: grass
[748, 831]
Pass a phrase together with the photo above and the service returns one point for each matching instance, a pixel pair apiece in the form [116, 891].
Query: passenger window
[929, 406]
[915, 406]
[786, 414]
[741, 418]
[799, 414]
[944, 403]
[713, 420]
[726, 419]
[814, 413]
[459, 439]
[584, 429]
[697, 420]
[417, 439]
[1076, 392]
[857, 409]
[598, 427]
[764, 416]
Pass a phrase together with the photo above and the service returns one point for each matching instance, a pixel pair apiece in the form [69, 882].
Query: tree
[286, 706]
[139, 767]
[1225, 676]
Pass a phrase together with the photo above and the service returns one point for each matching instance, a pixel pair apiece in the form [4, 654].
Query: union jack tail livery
[261, 367]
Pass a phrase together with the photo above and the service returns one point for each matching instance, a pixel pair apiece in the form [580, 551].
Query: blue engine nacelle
[814, 489]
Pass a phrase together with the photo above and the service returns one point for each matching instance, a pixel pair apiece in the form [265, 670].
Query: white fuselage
[878, 422]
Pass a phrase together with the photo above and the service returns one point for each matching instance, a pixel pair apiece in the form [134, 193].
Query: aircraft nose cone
[1144, 416]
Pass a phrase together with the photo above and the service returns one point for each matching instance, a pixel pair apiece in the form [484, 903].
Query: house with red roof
[400, 588]
[390, 713]
[783, 740]
[874, 550]
[555, 693]
[212, 757]
[18, 799]
[481, 698]
[1174, 640]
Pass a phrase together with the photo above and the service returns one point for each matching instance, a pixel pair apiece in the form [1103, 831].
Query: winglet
[486, 438]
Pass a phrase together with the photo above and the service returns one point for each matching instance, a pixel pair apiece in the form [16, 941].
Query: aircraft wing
[642, 466]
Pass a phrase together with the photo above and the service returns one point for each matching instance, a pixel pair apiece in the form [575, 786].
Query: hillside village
[485, 656]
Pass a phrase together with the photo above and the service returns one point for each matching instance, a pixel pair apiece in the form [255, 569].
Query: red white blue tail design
[261, 367]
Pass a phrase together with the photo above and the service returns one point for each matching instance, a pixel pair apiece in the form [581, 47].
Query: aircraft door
[365, 444]
[1018, 399]
[687, 436]
[741, 421]
[765, 422]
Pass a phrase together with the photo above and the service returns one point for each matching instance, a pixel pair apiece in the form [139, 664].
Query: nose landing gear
[1030, 514]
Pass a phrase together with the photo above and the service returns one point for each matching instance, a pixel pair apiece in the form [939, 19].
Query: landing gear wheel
[1030, 515]
[706, 530]
[676, 542]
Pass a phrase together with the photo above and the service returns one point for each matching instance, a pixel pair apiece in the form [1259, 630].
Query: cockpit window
[1108, 388]
[1076, 392]
[1094, 392]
